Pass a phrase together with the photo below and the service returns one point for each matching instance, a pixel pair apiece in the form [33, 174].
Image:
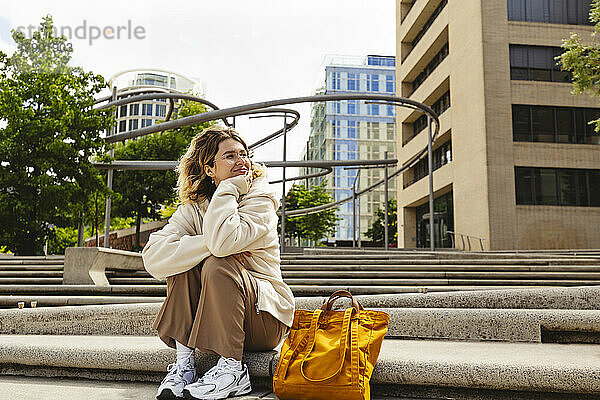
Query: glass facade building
[354, 130]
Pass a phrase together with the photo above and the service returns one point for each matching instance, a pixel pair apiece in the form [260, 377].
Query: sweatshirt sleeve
[177, 247]
[230, 227]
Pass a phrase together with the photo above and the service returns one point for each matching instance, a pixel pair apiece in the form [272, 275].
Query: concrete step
[32, 261]
[30, 280]
[387, 261]
[21, 267]
[439, 282]
[449, 253]
[559, 298]
[538, 274]
[87, 290]
[31, 274]
[326, 290]
[369, 267]
[8, 302]
[514, 325]
[530, 367]
[135, 281]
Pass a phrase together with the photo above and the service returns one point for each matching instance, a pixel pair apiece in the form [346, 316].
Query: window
[536, 63]
[373, 133]
[573, 12]
[440, 105]
[373, 109]
[123, 111]
[429, 22]
[122, 126]
[372, 83]
[352, 131]
[389, 83]
[353, 83]
[133, 124]
[151, 79]
[441, 156]
[390, 110]
[146, 109]
[161, 110]
[336, 128]
[353, 107]
[430, 67]
[134, 109]
[381, 60]
[554, 124]
[146, 122]
[557, 186]
[334, 107]
[335, 80]
[391, 132]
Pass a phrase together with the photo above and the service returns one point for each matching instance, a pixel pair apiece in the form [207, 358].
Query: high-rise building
[352, 130]
[139, 81]
[516, 163]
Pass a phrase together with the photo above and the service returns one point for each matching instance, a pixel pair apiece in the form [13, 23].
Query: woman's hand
[249, 178]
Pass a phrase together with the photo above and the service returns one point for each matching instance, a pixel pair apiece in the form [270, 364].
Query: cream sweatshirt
[238, 218]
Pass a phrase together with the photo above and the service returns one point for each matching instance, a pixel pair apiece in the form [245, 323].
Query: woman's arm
[232, 228]
[177, 247]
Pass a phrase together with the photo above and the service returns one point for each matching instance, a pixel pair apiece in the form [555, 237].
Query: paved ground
[17, 388]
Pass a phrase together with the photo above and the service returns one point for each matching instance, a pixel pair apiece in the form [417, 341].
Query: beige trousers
[211, 308]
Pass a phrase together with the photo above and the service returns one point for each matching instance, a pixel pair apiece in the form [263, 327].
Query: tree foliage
[49, 131]
[314, 227]
[376, 232]
[582, 58]
[144, 193]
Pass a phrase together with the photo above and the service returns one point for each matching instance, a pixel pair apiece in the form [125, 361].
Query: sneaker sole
[167, 394]
[235, 392]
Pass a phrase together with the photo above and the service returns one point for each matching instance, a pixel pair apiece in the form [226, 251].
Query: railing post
[109, 180]
[385, 176]
[282, 245]
[430, 165]
[354, 214]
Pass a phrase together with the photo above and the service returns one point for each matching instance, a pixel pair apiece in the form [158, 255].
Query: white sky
[244, 51]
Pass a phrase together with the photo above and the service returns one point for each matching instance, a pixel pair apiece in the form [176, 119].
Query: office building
[352, 130]
[516, 163]
[139, 81]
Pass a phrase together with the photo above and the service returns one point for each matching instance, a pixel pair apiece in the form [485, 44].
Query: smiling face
[231, 160]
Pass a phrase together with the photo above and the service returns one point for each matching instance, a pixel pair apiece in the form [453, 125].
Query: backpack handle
[339, 294]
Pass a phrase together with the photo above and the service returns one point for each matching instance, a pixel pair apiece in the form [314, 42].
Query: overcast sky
[243, 51]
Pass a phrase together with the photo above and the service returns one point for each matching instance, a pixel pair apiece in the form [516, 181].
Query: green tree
[50, 131]
[376, 232]
[144, 193]
[582, 58]
[313, 227]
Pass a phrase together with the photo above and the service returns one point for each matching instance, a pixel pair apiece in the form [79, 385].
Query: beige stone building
[515, 162]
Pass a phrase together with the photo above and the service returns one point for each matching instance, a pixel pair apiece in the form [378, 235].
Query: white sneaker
[228, 377]
[178, 377]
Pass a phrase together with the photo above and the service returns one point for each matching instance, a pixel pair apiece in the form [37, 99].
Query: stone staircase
[318, 272]
[539, 343]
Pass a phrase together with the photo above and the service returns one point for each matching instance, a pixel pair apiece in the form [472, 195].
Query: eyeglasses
[232, 156]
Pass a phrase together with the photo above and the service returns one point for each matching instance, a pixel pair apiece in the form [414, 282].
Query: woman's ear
[208, 171]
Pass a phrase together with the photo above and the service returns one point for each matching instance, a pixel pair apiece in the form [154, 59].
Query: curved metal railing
[271, 108]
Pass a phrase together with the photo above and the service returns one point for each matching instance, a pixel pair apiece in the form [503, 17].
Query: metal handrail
[462, 238]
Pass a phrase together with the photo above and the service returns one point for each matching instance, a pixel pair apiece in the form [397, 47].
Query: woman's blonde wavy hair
[193, 185]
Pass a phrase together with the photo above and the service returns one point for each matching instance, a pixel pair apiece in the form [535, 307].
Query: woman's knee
[216, 267]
